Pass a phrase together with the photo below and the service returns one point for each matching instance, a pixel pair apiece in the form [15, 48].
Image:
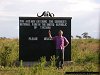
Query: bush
[53, 61]
[9, 52]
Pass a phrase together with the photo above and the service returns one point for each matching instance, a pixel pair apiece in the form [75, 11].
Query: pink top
[60, 42]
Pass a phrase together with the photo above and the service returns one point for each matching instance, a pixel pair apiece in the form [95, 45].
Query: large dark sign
[34, 41]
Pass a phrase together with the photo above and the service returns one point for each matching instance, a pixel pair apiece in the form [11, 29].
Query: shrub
[9, 52]
[53, 61]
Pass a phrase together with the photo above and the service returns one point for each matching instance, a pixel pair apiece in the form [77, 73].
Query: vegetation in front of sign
[85, 57]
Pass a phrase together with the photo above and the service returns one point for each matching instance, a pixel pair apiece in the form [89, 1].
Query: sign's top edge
[47, 17]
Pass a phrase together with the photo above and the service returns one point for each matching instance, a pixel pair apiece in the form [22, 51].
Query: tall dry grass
[84, 53]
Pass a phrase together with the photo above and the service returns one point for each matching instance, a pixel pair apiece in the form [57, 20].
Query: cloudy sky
[85, 14]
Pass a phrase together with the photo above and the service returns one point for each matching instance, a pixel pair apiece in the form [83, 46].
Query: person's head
[60, 33]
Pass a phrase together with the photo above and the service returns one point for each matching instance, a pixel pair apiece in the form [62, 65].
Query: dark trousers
[59, 58]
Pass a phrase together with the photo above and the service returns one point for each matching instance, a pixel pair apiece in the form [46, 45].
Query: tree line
[84, 35]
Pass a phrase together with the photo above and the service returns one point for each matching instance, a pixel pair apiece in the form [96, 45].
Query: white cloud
[69, 7]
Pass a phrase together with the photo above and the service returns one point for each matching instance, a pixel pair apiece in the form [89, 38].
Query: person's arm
[67, 42]
[49, 32]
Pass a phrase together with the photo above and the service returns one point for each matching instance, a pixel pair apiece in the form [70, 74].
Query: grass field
[85, 57]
